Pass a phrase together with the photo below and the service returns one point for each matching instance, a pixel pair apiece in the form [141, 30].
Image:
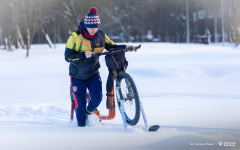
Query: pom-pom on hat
[92, 20]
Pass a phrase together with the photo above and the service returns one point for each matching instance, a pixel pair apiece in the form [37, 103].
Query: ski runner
[84, 68]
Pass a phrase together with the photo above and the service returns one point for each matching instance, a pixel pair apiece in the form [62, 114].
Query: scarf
[85, 33]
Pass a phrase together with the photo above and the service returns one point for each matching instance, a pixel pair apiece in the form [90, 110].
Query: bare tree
[232, 12]
[30, 11]
[19, 38]
[45, 23]
[6, 24]
[73, 11]
[41, 21]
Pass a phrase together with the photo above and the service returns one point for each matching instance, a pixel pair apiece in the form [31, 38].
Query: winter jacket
[81, 67]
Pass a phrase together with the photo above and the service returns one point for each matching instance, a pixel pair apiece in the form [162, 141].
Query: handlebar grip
[130, 48]
[137, 47]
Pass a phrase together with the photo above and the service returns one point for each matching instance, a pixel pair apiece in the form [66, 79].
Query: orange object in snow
[111, 108]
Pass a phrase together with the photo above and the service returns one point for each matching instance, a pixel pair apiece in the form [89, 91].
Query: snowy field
[191, 91]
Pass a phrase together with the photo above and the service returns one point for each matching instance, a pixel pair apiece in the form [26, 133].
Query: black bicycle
[125, 87]
[126, 91]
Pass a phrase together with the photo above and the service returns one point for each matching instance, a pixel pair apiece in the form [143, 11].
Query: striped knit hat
[92, 20]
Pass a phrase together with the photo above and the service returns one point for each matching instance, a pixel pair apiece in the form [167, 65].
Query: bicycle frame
[112, 111]
[119, 95]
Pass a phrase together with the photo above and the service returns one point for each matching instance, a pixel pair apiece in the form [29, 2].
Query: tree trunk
[28, 42]
[215, 30]
[20, 38]
[44, 30]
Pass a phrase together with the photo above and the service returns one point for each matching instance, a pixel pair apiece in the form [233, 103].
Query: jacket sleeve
[110, 44]
[71, 54]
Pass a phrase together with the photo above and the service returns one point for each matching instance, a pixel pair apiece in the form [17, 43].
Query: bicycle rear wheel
[131, 99]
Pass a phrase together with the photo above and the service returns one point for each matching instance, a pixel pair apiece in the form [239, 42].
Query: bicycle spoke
[129, 102]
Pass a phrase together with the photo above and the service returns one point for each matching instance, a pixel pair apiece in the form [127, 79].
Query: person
[149, 36]
[84, 67]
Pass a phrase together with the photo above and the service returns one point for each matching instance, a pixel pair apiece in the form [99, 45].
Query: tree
[41, 21]
[232, 12]
[6, 24]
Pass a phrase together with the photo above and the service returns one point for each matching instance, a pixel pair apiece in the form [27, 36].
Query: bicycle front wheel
[131, 99]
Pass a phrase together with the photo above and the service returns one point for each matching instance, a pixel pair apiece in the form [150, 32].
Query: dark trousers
[110, 80]
[79, 87]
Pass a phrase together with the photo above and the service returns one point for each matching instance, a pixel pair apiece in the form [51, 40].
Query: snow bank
[191, 90]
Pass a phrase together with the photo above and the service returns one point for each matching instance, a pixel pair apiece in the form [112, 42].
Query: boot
[91, 119]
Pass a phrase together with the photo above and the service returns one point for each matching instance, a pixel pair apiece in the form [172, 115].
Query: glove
[131, 48]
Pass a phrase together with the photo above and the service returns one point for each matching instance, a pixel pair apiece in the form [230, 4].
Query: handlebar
[114, 50]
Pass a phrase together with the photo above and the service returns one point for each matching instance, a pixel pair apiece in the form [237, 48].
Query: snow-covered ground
[191, 90]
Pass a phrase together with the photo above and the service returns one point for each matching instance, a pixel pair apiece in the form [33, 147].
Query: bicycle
[127, 95]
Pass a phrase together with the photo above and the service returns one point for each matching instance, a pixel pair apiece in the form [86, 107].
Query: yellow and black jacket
[81, 67]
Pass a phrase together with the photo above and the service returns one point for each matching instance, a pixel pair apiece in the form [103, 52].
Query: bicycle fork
[141, 106]
[121, 105]
[122, 110]
[121, 101]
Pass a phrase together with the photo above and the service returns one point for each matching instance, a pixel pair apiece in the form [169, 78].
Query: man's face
[92, 31]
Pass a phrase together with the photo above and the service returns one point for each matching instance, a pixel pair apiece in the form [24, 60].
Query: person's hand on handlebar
[88, 54]
[131, 48]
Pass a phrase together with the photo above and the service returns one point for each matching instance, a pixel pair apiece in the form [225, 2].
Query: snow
[190, 90]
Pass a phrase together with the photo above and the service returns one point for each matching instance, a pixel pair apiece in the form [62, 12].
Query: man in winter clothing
[83, 68]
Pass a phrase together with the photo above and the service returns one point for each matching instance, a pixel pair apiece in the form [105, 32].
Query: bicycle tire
[130, 94]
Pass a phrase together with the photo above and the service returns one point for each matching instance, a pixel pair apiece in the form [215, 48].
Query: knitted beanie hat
[92, 20]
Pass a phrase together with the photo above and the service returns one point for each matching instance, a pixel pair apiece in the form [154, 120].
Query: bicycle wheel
[130, 95]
